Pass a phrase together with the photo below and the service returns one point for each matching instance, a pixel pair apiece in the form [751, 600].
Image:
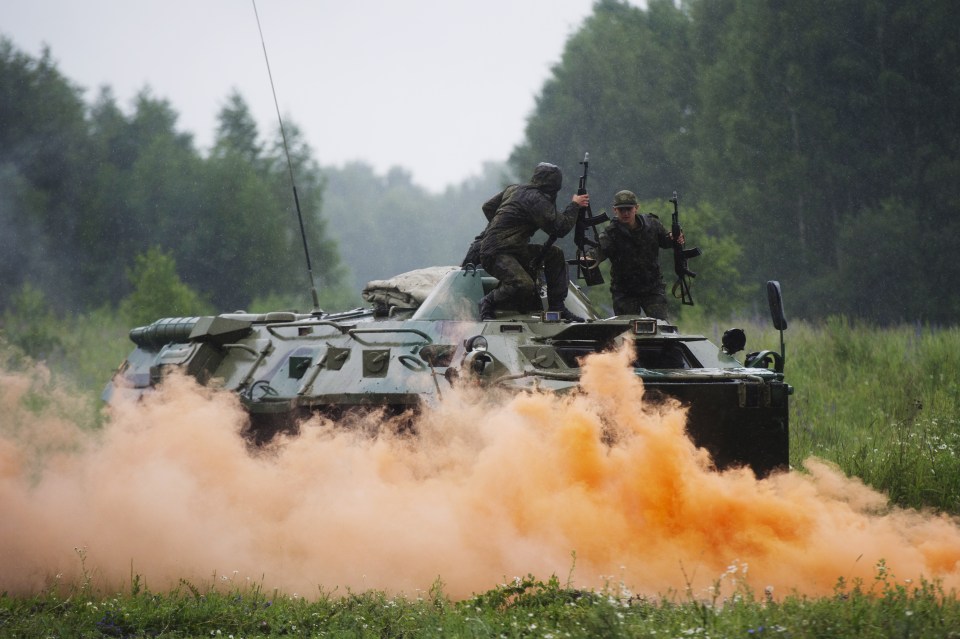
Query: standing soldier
[631, 242]
[515, 214]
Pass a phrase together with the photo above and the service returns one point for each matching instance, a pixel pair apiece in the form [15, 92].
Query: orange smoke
[598, 485]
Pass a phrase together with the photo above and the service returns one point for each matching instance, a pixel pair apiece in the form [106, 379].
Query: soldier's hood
[547, 178]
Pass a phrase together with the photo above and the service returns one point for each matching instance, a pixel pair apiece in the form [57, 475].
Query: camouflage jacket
[520, 210]
[634, 255]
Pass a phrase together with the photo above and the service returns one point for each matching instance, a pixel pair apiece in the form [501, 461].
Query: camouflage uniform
[489, 211]
[515, 214]
[636, 282]
[473, 253]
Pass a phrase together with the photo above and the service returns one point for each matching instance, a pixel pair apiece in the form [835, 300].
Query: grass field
[882, 404]
[524, 608]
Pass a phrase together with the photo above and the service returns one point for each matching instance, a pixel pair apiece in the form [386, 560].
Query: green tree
[290, 153]
[82, 197]
[749, 140]
[158, 291]
[42, 143]
[624, 92]
[101, 231]
[43, 121]
[24, 246]
[815, 114]
[30, 324]
[142, 193]
[884, 283]
[237, 131]
[164, 192]
[247, 242]
[234, 251]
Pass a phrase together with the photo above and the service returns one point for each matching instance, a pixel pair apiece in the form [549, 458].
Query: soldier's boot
[486, 309]
[566, 314]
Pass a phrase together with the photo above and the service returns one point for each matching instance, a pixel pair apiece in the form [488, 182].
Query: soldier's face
[626, 214]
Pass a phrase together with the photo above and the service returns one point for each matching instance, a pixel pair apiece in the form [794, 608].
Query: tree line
[813, 143]
[88, 192]
[824, 136]
[87, 189]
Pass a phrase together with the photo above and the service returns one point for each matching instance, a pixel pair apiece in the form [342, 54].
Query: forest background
[813, 143]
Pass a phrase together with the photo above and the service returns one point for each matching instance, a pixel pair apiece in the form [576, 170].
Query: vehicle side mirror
[775, 299]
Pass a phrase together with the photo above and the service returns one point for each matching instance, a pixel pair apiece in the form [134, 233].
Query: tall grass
[80, 355]
[881, 403]
[525, 607]
[884, 404]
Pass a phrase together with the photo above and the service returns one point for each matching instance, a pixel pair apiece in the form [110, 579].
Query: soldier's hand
[588, 260]
[582, 201]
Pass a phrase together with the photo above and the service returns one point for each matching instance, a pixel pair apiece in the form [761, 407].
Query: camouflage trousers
[518, 287]
[650, 304]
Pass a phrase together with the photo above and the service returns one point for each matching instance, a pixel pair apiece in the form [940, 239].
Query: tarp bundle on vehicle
[406, 290]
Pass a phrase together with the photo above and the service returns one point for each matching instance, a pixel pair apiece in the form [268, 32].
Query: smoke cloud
[597, 487]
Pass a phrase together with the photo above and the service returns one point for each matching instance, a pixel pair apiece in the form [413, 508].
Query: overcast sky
[435, 86]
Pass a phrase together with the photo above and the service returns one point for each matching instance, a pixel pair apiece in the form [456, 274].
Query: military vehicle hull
[400, 359]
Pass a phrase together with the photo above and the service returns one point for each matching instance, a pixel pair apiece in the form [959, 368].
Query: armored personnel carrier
[422, 335]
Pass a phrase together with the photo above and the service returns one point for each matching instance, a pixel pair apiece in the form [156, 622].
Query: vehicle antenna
[286, 150]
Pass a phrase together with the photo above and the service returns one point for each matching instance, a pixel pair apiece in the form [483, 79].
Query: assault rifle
[590, 274]
[585, 219]
[680, 257]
